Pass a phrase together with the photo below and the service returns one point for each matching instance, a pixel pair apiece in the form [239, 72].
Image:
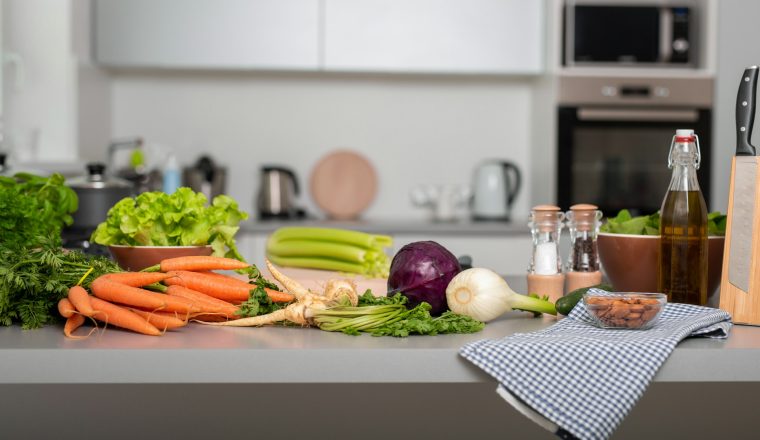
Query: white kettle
[495, 186]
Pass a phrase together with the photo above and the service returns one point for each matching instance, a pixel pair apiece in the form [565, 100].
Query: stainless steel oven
[614, 135]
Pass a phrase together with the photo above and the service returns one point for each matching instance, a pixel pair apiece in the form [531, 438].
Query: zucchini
[566, 304]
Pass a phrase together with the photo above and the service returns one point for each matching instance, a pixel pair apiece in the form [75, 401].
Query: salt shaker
[583, 221]
[545, 275]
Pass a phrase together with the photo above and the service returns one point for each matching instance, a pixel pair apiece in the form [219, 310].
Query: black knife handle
[745, 112]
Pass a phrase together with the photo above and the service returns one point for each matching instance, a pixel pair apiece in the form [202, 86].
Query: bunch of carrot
[190, 290]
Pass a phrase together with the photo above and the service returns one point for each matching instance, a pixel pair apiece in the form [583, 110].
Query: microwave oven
[626, 33]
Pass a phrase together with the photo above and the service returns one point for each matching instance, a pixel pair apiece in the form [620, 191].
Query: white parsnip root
[337, 292]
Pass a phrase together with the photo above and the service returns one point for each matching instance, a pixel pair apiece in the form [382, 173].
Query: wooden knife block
[744, 307]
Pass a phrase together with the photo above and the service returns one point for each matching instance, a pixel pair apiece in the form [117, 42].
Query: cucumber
[565, 304]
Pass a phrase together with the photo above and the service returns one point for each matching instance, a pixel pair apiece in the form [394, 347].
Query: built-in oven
[614, 135]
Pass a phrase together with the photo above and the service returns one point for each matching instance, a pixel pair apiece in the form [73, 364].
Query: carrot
[161, 320]
[107, 289]
[230, 291]
[227, 278]
[80, 299]
[211, 317]
[73, 322]
[121, 317]
[196, 263]
[135, 279]
[66, 309]
[209, 304]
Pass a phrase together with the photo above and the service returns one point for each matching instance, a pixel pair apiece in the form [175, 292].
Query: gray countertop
[392, 227]
[198, 354]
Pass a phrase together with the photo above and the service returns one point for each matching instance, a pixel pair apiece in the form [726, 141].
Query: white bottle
[171, 175]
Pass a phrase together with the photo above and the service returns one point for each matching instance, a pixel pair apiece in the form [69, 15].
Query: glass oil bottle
[683, 226]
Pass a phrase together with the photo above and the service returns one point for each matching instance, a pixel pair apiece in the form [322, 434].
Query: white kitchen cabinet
[244, 34]
[456, 36]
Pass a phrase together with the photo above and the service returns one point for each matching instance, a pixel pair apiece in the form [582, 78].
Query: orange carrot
[72, 323]
[208, 303]
[211, 317]
[107, 289]
[230, 291]
[135, 279]
[280, 297]
[80, 299]
[65, 308]
[161, 320]
[121, 317]
[196, 263]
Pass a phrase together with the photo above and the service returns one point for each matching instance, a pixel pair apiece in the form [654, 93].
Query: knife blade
[745, 178]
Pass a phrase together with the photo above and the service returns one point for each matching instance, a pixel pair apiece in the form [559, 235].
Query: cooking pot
[97, 194]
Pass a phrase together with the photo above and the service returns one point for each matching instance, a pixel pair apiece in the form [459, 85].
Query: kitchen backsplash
[414, 129]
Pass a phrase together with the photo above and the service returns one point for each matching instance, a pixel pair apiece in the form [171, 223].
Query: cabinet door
[268, 34]
[458, 36]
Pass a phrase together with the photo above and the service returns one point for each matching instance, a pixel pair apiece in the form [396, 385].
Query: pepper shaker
[583, 266]
[545, 275]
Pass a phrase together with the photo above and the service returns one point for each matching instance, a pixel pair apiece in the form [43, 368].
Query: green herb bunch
[389, 316]
[33, 280]
[32, 207]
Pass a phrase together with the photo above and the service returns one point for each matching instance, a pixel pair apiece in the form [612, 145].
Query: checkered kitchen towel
[581, 381]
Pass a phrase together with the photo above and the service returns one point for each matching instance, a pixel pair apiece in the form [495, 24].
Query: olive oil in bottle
[683, 226]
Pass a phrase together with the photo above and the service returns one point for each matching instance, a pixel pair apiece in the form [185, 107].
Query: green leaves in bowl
[624, 223]
[183, 218]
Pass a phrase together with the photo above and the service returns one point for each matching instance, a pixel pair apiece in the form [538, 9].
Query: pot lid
[96, 178]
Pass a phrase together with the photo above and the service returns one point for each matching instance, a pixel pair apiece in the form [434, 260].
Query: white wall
[40, 32]
[738, 34]
[415, 129]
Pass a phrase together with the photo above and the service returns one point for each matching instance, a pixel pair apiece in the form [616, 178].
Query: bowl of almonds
[628, 310]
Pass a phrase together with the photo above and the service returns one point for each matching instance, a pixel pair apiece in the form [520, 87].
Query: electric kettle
[495, 186]
[278, 191]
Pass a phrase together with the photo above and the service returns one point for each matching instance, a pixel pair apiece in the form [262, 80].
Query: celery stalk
[318, 263]
[356, 238]
[322, 249]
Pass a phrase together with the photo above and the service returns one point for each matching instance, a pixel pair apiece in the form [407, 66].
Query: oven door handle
[652, 115]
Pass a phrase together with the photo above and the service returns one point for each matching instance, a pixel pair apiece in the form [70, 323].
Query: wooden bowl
[135, 258]
[630, 262]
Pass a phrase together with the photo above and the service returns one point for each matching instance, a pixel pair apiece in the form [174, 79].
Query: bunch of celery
[330, 249]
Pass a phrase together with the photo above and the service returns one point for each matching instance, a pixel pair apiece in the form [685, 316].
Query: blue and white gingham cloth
[583, 380]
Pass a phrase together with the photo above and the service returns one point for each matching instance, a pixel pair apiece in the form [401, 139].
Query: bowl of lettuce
[629, 251]
[156, 224]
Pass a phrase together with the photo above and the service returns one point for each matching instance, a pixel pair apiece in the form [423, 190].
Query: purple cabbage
[421, 271]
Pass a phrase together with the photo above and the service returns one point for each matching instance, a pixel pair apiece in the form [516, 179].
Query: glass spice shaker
[583, 266]
[545, 275]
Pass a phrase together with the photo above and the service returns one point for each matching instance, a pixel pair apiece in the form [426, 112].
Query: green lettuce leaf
[183, 218]
[624, 223]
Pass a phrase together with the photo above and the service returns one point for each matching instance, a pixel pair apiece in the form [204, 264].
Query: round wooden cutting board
[343, 184]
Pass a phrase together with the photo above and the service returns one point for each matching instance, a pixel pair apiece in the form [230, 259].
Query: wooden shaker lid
[545, 217]
[584, 216]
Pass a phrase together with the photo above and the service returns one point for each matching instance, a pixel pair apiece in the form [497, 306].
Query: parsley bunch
[389, 316]
[32, 207]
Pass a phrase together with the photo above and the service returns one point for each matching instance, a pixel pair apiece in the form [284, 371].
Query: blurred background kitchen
[445, 119]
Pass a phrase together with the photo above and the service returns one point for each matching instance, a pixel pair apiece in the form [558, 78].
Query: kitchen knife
[744, 185]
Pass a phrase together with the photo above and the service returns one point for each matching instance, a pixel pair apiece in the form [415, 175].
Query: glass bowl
[627, 310]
